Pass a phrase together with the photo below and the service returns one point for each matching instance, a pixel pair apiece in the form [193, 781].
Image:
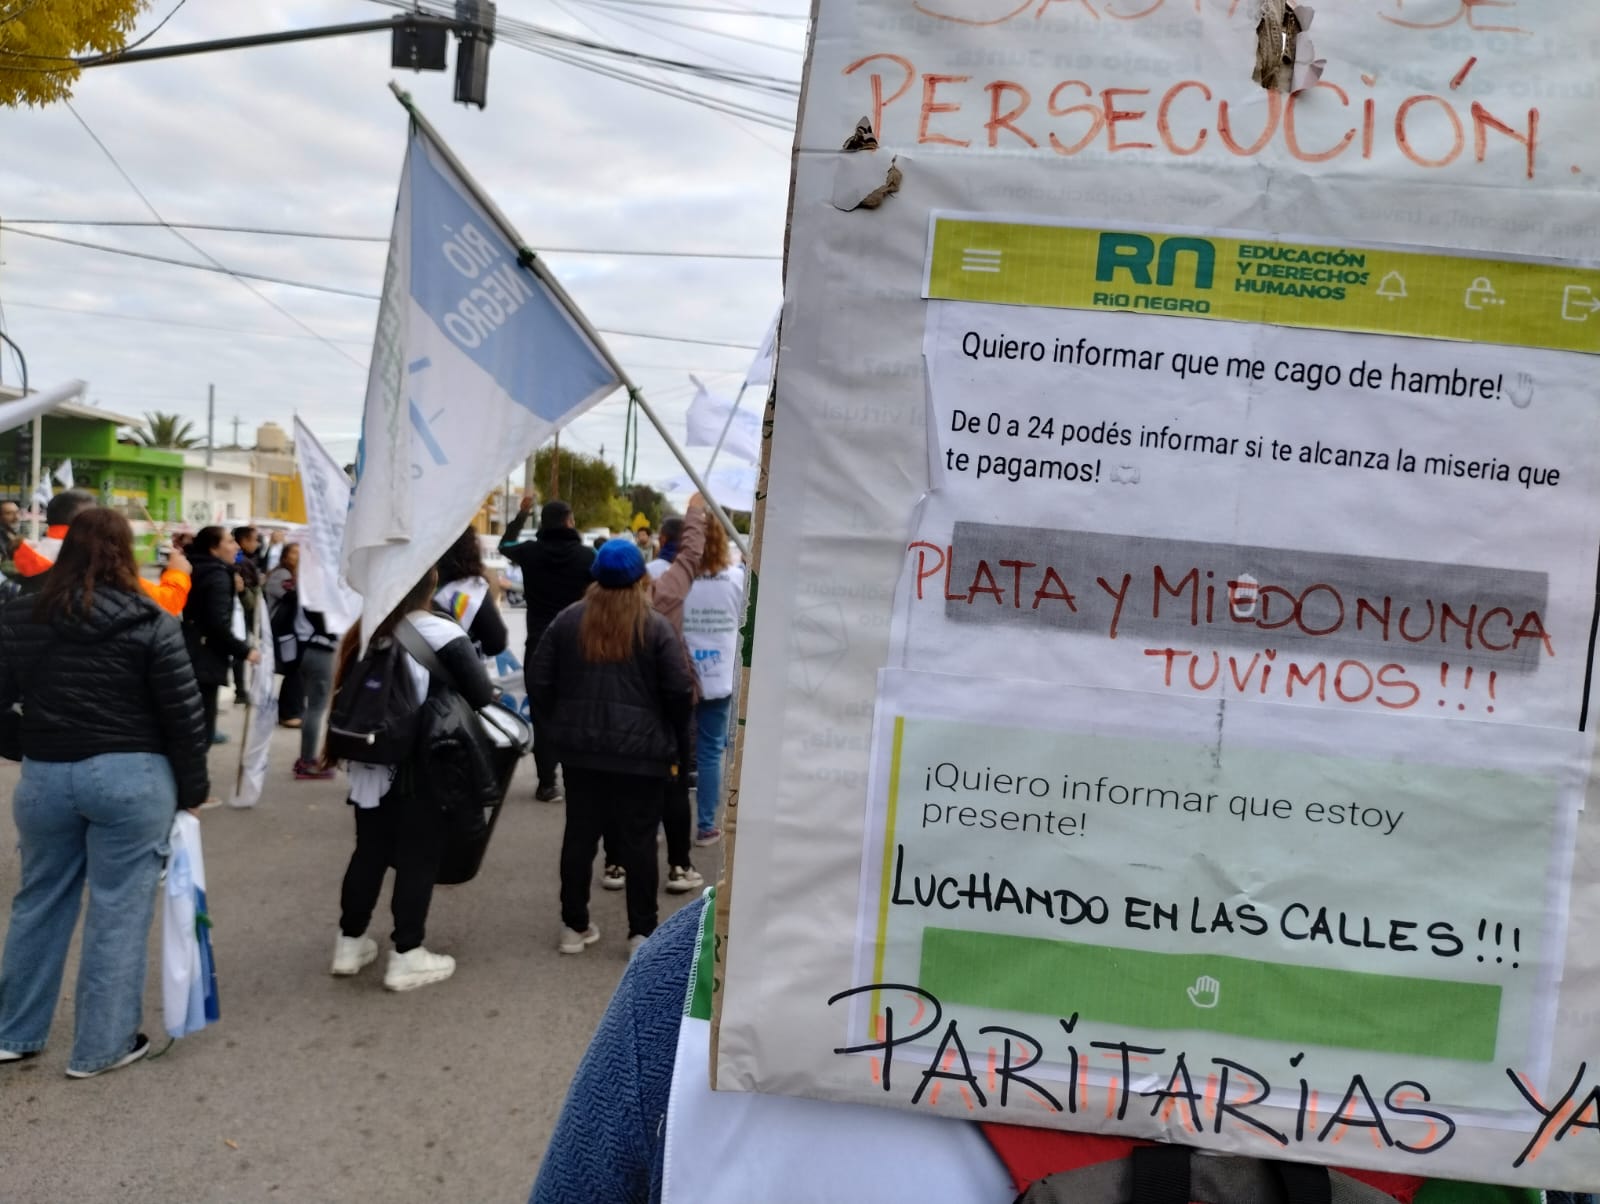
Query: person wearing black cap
[612, 690]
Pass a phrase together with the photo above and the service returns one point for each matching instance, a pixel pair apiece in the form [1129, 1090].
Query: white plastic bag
[188, 979]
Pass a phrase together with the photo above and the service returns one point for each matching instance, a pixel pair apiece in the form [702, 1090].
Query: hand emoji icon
[1206, 992]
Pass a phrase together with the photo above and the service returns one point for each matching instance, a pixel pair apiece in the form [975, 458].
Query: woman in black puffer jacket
[208, 618]
[611, 688]
[113, 742]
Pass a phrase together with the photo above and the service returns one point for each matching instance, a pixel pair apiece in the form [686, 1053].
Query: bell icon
[1392, 286]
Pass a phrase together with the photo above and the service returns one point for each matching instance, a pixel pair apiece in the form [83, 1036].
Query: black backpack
[454, 757]
[374, 716]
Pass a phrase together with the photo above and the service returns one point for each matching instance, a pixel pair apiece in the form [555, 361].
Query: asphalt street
[313, 1088]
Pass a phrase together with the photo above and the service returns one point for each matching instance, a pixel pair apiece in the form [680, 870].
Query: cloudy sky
[307, 137]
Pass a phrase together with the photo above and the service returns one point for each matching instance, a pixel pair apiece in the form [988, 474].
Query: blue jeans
[711, 743]
[106, 819]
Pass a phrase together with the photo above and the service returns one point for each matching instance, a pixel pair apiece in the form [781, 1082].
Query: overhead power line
[276, 232]
[240, 277]
[706, 8]
[119, 317]
[200, 267]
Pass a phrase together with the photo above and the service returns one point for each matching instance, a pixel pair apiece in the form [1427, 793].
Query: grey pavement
[313, 1088]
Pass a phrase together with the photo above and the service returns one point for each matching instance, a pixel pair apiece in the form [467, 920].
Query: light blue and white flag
[477, 360]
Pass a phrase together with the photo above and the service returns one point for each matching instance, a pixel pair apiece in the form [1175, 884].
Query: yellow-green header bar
[1233, 278]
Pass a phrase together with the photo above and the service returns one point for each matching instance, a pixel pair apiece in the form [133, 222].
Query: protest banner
[1179, 551]
[260, 716]
[479, 357]
[326, 489]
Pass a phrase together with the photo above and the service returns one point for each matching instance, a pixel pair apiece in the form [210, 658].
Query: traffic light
[419, 47]
[475, 34]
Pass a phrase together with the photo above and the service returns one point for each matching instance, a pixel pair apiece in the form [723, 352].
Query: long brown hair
[613, 621]
[715, 557]
[97, 554]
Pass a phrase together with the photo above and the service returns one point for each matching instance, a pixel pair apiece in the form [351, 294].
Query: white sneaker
[613, 877]
[681, 879]
[635, 943]
[350, 953]
[416, 968]
[577, 942]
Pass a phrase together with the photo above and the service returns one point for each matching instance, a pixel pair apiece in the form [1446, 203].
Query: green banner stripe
[702, 975]
[1272, 1001]
[1364, 289]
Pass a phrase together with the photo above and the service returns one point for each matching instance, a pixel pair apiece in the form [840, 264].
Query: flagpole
[536, 265]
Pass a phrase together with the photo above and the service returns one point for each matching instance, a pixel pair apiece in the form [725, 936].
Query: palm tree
[166, 430]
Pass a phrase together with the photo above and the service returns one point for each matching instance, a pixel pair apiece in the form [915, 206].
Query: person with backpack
[208, 619]
[377, 700]
[611, 688]
[113, 741]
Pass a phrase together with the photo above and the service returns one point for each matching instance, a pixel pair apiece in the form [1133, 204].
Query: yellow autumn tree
[40, 38]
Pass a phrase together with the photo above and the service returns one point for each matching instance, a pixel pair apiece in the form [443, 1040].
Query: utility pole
[555, 469]
[211, 430]
[236, 421]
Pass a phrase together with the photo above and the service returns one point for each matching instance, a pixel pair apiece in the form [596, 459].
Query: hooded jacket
[117, 680]
[208, 621]
[555, 572]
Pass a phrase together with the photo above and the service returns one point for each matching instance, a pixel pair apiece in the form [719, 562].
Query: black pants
[624, 808]
[208, 703]
[544, 757]
[404, 832]
[677, 819]
[238, 677]
[291, 693]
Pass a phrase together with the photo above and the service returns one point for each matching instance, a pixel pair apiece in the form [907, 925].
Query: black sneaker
[141, 1046]
[548, 794]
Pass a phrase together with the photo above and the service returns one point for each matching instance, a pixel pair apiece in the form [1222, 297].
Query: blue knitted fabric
[608, 1143]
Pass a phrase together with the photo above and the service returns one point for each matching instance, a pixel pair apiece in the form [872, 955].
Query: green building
[146, 483]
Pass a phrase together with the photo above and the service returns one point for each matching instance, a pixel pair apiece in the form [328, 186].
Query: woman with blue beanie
[612, 690]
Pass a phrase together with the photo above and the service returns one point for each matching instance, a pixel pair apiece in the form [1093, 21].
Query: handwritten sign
[1170, 705]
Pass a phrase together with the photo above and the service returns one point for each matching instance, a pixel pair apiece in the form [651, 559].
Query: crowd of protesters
[109, 696]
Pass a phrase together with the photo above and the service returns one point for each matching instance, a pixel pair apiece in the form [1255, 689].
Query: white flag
[709, 425]
[64, 474]
[327, 493]
[743, 441]
[766, 358]
[476, 362]
[732, 485]
[707, 414]
[261, 718]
